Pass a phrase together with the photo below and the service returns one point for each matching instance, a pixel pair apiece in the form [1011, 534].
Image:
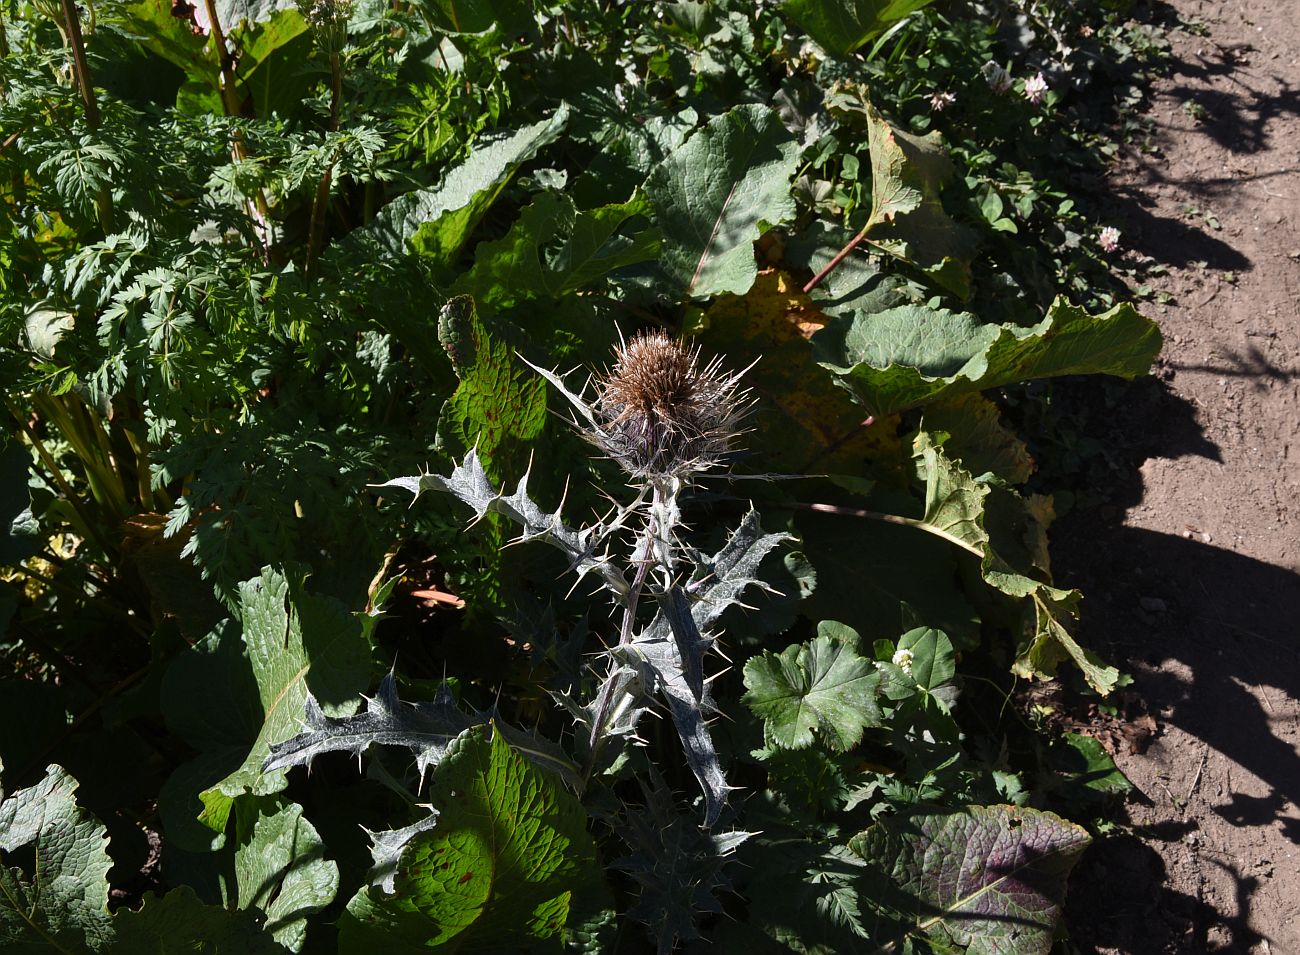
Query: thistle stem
[645, 549]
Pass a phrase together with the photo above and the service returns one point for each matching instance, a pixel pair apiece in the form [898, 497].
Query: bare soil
[1193, 578]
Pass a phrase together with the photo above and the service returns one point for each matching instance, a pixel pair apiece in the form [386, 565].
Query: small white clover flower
[941, 101]
[1108, 239]
[1035, 87]
[999, 80]
[903, 660]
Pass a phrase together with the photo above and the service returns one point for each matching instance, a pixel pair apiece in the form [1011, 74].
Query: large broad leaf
[506, 862]
[907, 174]
[841, 26]
[19, 532]
[437, 221]
[210, 700]
[803, 422]
[297, 643]
[178, 923]
[824, 685]
[499, 405]
[903, 357]
[511, 17]
[714, 194]
[988, 878]
[880, 578]
[281, 871]
[956, 510]
[554, 249]
[61, 905]
[977, 438]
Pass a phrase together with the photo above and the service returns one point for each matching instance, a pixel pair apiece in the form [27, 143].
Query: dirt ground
[1193, 579]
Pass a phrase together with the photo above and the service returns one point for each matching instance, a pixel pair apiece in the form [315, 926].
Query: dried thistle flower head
[659, 413]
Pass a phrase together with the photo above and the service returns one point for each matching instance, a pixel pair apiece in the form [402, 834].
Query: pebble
[1153, 605]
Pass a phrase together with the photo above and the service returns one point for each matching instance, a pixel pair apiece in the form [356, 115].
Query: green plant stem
[892, 519]
[91, 446]
[840, 256]
[81, 69]
[316, 230]
[259, 211]
[336, 91]
[90, 526]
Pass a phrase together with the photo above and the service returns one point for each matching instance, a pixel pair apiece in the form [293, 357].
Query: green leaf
[553, 249]
[907, 174]
[62, 904]
[210, 699]
[824, 685]
[512, 17]
[281, 870]
[989, 878]
[804, 421]
[955, 510]
[841, 26]
[1088, 771]
[297, 643]
[713, 196]
[880, 578]
[499, 405]
[906, 356]
[500, 871]
[977, 438]
[179, 924]
[931, 664]
[437, 221]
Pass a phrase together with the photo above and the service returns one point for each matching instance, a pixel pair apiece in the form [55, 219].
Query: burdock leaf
[841, 26]
[471, 484]
[803, 419]
[62, 905]
[506, 862]
[437, 220]
[955, 509]
[554, 249]
[298, 644]
[713, 195]
[824, 685]
[904, 357]
[988, 878]
[178, 923]
[907, 174]
[282, 871]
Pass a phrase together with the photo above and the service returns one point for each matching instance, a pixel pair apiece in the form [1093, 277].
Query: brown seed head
[660, 413]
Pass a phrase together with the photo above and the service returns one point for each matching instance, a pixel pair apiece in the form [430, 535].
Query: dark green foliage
[244, 289]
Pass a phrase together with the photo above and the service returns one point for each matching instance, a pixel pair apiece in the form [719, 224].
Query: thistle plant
[667, 419]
